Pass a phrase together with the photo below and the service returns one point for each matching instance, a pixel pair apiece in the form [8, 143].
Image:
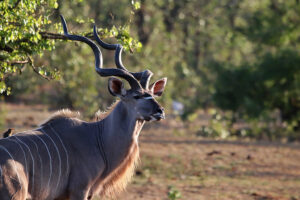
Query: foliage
[271, 83]
[230, 125]
[220, 125]
[238, 55]
[173, 193]
[21, 28]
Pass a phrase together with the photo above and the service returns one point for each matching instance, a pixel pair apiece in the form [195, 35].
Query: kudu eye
[136, 96]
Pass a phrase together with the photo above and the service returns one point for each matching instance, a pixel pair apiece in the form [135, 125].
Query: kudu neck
[122, 122]
[121, 114]
[120, 132]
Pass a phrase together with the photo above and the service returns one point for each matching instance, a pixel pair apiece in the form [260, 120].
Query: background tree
[240, 56]
[22, 33]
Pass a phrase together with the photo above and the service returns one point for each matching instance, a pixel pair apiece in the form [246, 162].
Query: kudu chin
[67, 158]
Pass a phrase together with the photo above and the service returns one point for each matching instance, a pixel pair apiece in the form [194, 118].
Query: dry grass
[198, 168]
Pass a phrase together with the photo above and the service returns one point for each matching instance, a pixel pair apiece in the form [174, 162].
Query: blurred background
[232, 97]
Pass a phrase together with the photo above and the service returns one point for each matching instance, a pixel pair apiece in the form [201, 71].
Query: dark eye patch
[136, 97]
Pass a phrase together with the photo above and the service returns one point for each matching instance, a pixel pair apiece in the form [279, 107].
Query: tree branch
[30, 61]
[18, 62]
[46, 35]
[57, 36]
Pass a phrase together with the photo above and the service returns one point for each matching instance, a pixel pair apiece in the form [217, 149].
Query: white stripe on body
[2, 147]
[65, 149]
[1, 174]
[59, 160]
[41, 162]
[26, 166]
[50, 159]
[32, 189]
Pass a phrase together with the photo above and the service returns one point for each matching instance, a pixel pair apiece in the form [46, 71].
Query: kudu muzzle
[160, 113]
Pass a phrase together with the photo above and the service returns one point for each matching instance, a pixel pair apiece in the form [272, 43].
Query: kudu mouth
[158, 116]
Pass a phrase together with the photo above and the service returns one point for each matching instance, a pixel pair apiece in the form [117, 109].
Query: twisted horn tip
[64, 24]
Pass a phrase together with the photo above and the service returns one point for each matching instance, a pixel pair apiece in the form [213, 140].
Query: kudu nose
[160, 114]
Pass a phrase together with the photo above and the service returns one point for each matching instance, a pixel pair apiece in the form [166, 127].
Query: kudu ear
[116, 87]
[158, 87]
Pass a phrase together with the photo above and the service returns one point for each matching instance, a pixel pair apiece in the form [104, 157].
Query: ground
[175, 162]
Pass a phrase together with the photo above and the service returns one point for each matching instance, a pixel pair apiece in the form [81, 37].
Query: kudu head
[140, 98]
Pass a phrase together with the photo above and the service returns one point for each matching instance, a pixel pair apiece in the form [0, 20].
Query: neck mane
[100, 115]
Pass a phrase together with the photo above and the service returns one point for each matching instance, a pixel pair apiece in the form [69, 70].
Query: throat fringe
[117, 180]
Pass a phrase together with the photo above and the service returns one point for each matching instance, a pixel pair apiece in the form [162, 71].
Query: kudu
[67, 158]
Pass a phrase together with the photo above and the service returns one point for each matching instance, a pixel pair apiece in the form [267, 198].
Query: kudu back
[67, 158]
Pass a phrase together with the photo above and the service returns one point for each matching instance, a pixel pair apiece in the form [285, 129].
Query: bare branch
[18, 62]
[56, 36]
[46, 35]
[30, 62]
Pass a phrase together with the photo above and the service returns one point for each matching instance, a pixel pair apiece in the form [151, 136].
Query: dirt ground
[175, 162]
